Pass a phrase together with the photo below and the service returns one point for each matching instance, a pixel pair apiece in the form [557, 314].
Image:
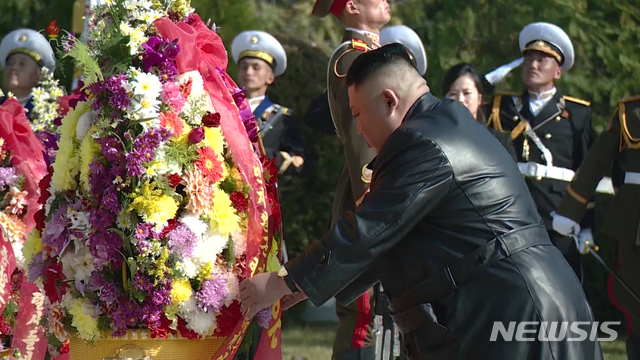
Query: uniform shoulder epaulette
[629, 99]
[285, 110]
[508, 93]
[577, 101]
[494, 116]
[359, 45]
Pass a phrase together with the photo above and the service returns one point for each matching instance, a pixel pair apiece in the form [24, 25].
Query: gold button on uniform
[515, 118]
[548, 136]
[558, 118]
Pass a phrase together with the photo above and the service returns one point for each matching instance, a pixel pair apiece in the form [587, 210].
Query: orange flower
[171, 121]
[210, 164]
[15, 201]
[56, 318]
[199, 191]
[12, 227]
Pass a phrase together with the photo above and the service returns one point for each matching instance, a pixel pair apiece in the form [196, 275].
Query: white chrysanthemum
[84, 124]
[233, 288]
[147, 108]
[239, 238]
[17, 252]
[125, 28]
[189, 307]
[79, 220]
[193, 222]
[78, 265]
[124, 219]
[208, 249]
[147, 85]
[189, 269]
[202, 323]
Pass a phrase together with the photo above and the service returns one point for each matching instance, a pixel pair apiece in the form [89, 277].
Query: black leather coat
[444, 187]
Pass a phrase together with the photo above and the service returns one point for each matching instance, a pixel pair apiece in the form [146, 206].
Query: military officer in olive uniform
[551, 131]
[362, 22]
[620, 143]
[23, 53]
[261, 58]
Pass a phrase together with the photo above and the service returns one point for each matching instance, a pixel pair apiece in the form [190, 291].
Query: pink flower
[171, 95]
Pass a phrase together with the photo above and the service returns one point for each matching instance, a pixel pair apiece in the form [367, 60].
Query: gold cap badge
[253, 40]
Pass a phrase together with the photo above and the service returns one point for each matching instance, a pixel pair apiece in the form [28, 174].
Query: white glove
[564, 225]
[584, 240]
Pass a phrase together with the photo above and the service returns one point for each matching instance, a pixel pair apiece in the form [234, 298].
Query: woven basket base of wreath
[139, 345]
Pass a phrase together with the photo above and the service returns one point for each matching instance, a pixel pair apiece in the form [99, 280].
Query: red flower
[172, 224]
[196, 135]
[275, 210]
[239, 201]
[271, 171]
[228, 319]
[209, 164]
[184, 332]
[5, 329]
[211, 119]
[64, 349]
[162, 330]
[185, 88]
[54, 285]
[174, 180]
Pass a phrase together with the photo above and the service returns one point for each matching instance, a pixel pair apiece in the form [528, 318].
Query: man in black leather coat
[448, 228]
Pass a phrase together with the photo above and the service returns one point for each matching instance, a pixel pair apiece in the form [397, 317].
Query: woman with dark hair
[463, 84]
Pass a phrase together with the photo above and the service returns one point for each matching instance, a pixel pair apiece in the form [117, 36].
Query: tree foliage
[605, 35]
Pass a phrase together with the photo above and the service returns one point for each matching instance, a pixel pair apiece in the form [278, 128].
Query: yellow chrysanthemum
[82, 319]
[214, 139]
[88, 149]
[181, 291]
[65, 168]
[31, 247]
[186, 129]
[152, 205]
[223, 218]
[12, 227]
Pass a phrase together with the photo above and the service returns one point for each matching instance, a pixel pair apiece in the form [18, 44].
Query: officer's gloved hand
[585, 240]
[564, 225]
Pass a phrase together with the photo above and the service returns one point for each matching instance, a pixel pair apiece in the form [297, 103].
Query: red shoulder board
[359, 45]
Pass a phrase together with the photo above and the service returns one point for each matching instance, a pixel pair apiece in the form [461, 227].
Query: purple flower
[196, 135]
[134, 164]
[143, 246]
[142, 231]
[212, 294]
[142, 283]
[151, 314]
[55, 235]
[49, 142]
[250, 125]
[263, 317]
[159, 57]
[162, 296]
[110, 199]
[67, 43]
[120, 99]
[105, 247]
[101, 219]
[238, 96]
[111, 148]
[36, 268]
[8, 176]
[182, 241]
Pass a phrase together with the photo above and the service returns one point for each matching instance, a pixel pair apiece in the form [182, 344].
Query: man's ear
[391, 100]
[558, 73]
[351, 7]
[271, 78]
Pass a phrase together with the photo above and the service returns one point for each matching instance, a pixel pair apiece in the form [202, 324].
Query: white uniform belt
[535, 170]
[632, 178]
[539, 171]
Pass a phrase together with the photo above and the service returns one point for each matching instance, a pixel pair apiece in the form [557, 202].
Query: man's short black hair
[371, 62]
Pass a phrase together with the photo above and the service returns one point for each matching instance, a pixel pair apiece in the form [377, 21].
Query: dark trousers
[567, 246]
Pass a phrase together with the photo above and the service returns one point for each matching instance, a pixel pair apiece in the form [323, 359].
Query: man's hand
[260, 291]
[290, 301]
[585, 240]
[564, 225]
